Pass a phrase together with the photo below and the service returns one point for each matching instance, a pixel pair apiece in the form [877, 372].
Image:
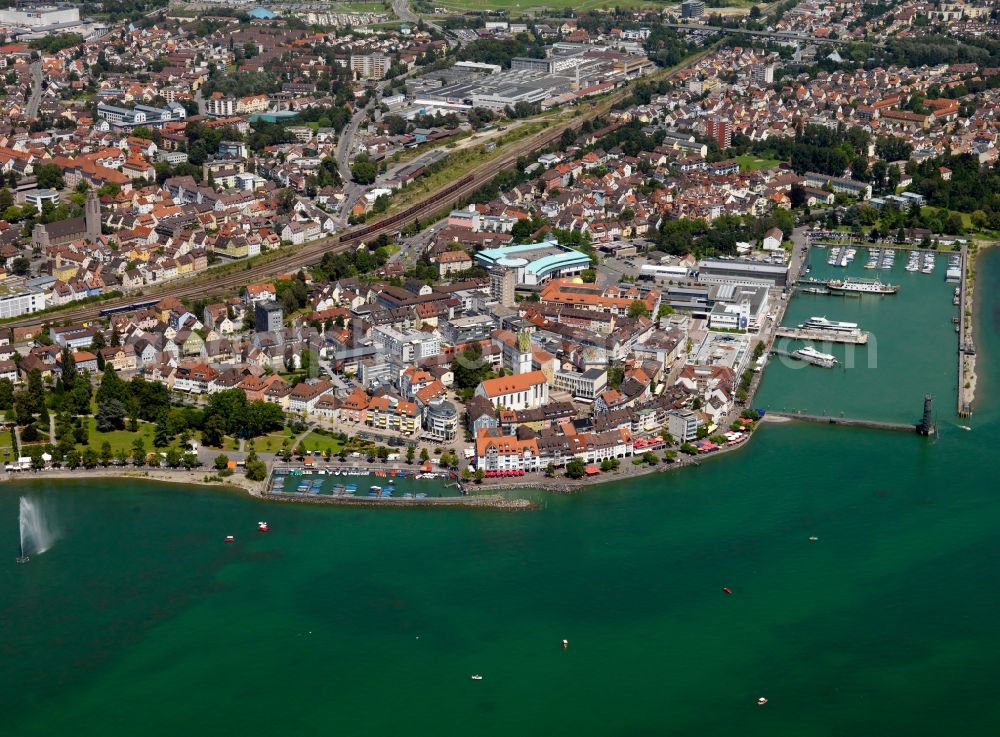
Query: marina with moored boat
[822, 329]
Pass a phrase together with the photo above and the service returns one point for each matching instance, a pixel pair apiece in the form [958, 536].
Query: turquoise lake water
[141, 620]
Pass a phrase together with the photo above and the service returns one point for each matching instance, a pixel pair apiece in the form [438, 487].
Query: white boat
[821, 323]
[477, 677]
[811, 355]
[864, 286]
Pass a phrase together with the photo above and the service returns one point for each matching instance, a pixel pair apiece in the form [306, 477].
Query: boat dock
[828, 336]
[484, 501]
[846, 421]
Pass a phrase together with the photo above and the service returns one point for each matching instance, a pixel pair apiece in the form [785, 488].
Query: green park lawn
[272, 442]
[748, 162]
[323, 443]
[966, 217]
[123, 439]
[120, 439]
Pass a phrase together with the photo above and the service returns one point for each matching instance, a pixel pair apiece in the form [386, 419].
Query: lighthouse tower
[926, 426]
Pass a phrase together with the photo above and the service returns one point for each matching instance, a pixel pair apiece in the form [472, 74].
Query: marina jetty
[485, 501]
[822, 329]
[925, 427]
[826, 336]
[307, 484]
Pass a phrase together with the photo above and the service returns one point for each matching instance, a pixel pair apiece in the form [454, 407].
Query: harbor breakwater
[491, 501]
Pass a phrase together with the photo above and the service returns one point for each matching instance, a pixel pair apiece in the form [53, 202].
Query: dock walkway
[825, 336]
[845, 421]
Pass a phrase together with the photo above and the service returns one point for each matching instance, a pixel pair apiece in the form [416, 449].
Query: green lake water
[141, 620]
[910, 351]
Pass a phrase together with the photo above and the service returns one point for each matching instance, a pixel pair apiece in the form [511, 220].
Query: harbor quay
[485, 501]
[966, 348]
[826, 336]
[925, 427]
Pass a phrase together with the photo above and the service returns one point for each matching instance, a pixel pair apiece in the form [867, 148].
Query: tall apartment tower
[503, 282]
[762, 74]
[720, 130]
[92, 215]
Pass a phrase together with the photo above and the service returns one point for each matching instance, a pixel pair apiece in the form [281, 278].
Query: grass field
[119, 439]
[752, 163]
[966, 217]
[272, 443]
[323, 443]
[123, 439]
[358, 7]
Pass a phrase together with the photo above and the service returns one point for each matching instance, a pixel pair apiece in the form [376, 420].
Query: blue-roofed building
[535, 263]
[262, 14]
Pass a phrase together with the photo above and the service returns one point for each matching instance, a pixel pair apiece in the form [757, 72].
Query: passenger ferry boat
[811, 355]
[821, 323]
[862, 286]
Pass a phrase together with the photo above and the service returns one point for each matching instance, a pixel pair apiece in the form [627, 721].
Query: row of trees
[720, 236]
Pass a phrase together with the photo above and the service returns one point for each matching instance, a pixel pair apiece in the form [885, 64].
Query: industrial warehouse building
[741, 271]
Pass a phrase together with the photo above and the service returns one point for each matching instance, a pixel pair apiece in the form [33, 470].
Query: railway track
[211, 283]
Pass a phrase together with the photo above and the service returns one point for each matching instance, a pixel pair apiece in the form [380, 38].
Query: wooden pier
[824, 336]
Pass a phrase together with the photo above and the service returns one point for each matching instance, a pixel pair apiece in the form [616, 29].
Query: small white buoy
[761, 701]
[565, 644]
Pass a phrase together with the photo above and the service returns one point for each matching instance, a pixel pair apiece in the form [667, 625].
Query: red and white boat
[262, 526]
[230, 539]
